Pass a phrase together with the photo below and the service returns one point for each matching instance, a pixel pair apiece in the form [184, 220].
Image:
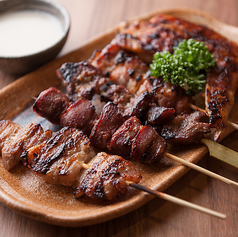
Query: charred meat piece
[122, 139]
[187, 128]
[138, 142]
[219, 99]
[158, 115]
[121, 67]
[7, 130]
[51, 104]
[148, 146]
[82, 80]
[171, 96]
[118, 95]
[129, 103]
[81, 114]
[138, 105]
[106, 180]
[59, 159]
[22, 139]
[110, 120]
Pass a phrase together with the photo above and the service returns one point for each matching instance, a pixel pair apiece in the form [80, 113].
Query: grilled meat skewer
[60, 156]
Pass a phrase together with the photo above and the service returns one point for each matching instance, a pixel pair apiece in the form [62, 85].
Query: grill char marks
[187, 128]
[59, 159]
[109, 121]
[81, 114]
[61, 156]
[107, 178]
[82, 80]
[15, 140]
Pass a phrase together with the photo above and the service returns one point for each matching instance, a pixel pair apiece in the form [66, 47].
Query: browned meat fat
[59, 159]
[110, 120]
[50, 104]
[81, 114]
[106, 179]
[186, 128]
[122, 139]
[148, 146]
[7, 129]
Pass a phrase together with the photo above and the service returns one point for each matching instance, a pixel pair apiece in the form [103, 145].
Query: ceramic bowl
[20, 65]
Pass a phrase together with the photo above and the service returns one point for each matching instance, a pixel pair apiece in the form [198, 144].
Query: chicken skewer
[59, 160]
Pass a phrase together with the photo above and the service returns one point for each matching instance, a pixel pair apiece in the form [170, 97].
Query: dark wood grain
[156, 218]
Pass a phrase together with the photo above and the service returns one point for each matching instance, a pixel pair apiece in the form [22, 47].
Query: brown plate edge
[48, 78]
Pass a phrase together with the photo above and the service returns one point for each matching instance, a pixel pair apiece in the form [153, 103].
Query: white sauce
[27, 32]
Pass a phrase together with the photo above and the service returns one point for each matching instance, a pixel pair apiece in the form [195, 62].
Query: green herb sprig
[186, 67]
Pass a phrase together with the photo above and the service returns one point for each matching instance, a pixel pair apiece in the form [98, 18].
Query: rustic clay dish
[20, 65]
[26, 193]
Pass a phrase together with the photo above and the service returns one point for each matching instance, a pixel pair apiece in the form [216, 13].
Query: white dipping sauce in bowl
[32, 33]
[27, 32]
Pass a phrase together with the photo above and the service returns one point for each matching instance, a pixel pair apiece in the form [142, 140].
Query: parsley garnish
[186, 67]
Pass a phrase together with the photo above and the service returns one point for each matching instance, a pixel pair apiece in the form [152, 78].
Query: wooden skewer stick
[168, 197]
[200, 169]
[194, 107]
[175, 200]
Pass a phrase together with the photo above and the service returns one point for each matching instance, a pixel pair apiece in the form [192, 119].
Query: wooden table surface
[158, 217]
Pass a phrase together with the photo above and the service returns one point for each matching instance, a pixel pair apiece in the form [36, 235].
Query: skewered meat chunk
[106, 180]
[110, 120]
[187, 128]
[121, 67]
[82, 80]
[138, 142]
[158, 115]
[171, 96]
[51, 104]
[148, 146]
[137, 105]
[18, 141]
[7, 129]
[118, 95]
[81, 114]
[59, 159]
[122, 139]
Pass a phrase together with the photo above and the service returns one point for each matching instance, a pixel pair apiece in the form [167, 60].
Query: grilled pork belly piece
[82, 80]
[158, 116]
[138, 142]
[51, 104]
[81, 115]
[122, 138]
[110, 120]
[187, 128]
[106, 179]
[123, 68]
[59, 159]
[15, 140]
[7, 129]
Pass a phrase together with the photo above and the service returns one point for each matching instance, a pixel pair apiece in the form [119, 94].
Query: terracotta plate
[26, 193]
